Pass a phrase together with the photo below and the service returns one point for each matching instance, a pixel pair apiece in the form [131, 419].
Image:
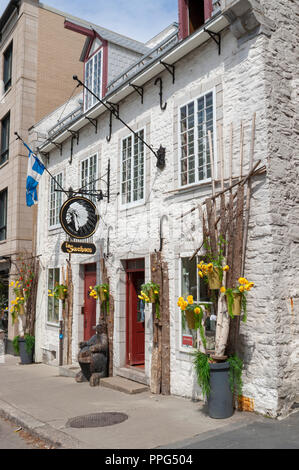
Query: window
[5, 132]
[192, 284]
[7, 67]
[53, 303]
[196, 119]
[132, 168]
[89, 175]
[3, 214]
[93, 80]
[193, 14]
[55, 200]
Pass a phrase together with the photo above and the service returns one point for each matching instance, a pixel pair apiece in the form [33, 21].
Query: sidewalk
[41, 401]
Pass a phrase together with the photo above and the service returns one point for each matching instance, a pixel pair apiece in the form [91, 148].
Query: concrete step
[123, 385]
[69, 370]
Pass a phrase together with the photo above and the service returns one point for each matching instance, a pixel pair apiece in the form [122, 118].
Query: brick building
[227, 62]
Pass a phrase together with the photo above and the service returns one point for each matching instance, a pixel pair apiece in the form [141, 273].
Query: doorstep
[69, 370]
[132, 373]
[123, 385]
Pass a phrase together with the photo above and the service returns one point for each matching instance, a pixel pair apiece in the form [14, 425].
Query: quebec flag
[34, 173]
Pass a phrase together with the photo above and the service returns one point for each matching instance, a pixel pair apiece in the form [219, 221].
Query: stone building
[227, 62]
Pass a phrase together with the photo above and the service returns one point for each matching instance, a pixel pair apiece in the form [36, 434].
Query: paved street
[43, 402]
[11, 438]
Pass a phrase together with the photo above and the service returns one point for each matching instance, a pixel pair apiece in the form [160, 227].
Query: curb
[39, 429]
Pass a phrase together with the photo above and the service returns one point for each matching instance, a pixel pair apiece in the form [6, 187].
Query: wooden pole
[231, 155]
[248, 196]
[221, 155]
[211, 162]
[241, 149]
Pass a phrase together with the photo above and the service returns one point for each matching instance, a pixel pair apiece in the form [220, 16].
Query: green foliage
[29, 344]
[15, 343]
[235, 374]
[202, 369]
[151, 289]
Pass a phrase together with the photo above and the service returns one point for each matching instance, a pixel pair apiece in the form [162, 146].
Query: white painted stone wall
[242, 80]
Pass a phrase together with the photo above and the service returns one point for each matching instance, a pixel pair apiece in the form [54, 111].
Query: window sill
[5, 93]
[132, 205]
[4, 164]
[190, 187]
[52, 325]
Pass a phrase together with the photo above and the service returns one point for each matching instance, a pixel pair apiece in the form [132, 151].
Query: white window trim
[215, 153]
[182, 348]
[56, 226]
[139, 202]
[49, 323]
[92, 154]
[100, 51]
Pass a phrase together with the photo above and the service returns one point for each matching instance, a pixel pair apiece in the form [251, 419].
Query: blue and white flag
[34, 173]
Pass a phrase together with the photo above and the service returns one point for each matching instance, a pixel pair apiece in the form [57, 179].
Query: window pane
[53, 304]
[205, 119]
[5, 136]
[55, 199]
[3, 214]
[7, 67]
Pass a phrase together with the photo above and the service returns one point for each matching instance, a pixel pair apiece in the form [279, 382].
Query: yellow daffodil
[190, 299]
[241, 288]
[222, 290]
[197, 310]
[200, 274]
[226, 268]
[156, 292]
[242, 280]
[140, 297]
[11, 284]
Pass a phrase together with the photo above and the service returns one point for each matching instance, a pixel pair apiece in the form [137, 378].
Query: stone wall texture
[254, 74]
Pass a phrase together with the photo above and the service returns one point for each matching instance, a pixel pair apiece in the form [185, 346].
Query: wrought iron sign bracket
[160, 154]
[75, 135]
[216, 37]
[162, 106]
[170, 68]
[139, 90]
[114, 111]
[94, 122]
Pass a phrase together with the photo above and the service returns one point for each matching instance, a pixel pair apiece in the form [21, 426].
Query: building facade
[224, 65]
[36, 53]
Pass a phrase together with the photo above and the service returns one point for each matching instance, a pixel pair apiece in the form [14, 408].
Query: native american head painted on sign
[79, 217]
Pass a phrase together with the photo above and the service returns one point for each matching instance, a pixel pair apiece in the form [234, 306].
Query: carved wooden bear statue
[93, 357]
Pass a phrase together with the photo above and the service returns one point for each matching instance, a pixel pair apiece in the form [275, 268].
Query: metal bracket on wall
[45, 156]
[170, 68]
[162, 106]
[59, 146]
[114, 111]
[75, 135]
[94, 122]
[216, 37]
[139, 90]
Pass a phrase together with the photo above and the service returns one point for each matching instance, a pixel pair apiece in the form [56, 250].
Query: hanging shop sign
[79, 217]
[79, 248]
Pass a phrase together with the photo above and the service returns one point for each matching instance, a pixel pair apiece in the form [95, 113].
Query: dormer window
[93, 79]
[192, 15]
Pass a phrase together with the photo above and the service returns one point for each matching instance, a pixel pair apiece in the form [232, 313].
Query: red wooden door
[90, 306]
[135, 319]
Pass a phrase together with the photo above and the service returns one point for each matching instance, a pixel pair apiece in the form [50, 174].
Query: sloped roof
[111, 36]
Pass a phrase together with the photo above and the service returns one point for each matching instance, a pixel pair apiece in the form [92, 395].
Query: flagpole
[24, 143]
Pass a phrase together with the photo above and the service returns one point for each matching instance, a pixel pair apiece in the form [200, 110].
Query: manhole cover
[97, 420]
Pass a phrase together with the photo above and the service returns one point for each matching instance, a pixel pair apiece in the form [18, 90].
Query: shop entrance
[90, 305]
[134, 313]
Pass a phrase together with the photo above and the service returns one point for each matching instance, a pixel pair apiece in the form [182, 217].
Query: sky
[138, 19]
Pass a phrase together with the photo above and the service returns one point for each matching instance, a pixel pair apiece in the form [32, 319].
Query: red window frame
[184, 16]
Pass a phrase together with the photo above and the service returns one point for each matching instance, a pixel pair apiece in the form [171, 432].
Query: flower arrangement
[193, 313]
[60, 292]
[101, 292]
[150, 293]
[215, 266]
[236, 297]
[17, 305]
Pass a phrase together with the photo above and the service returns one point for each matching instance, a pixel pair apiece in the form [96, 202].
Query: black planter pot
[25, 357]
[220, 402]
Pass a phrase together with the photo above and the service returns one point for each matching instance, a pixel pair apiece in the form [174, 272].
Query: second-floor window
[5, 132]
[132, 169]
[55, 200]
[89, 175]
[3, 214]
[196, 120]
[93, 80]
[7, 67]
